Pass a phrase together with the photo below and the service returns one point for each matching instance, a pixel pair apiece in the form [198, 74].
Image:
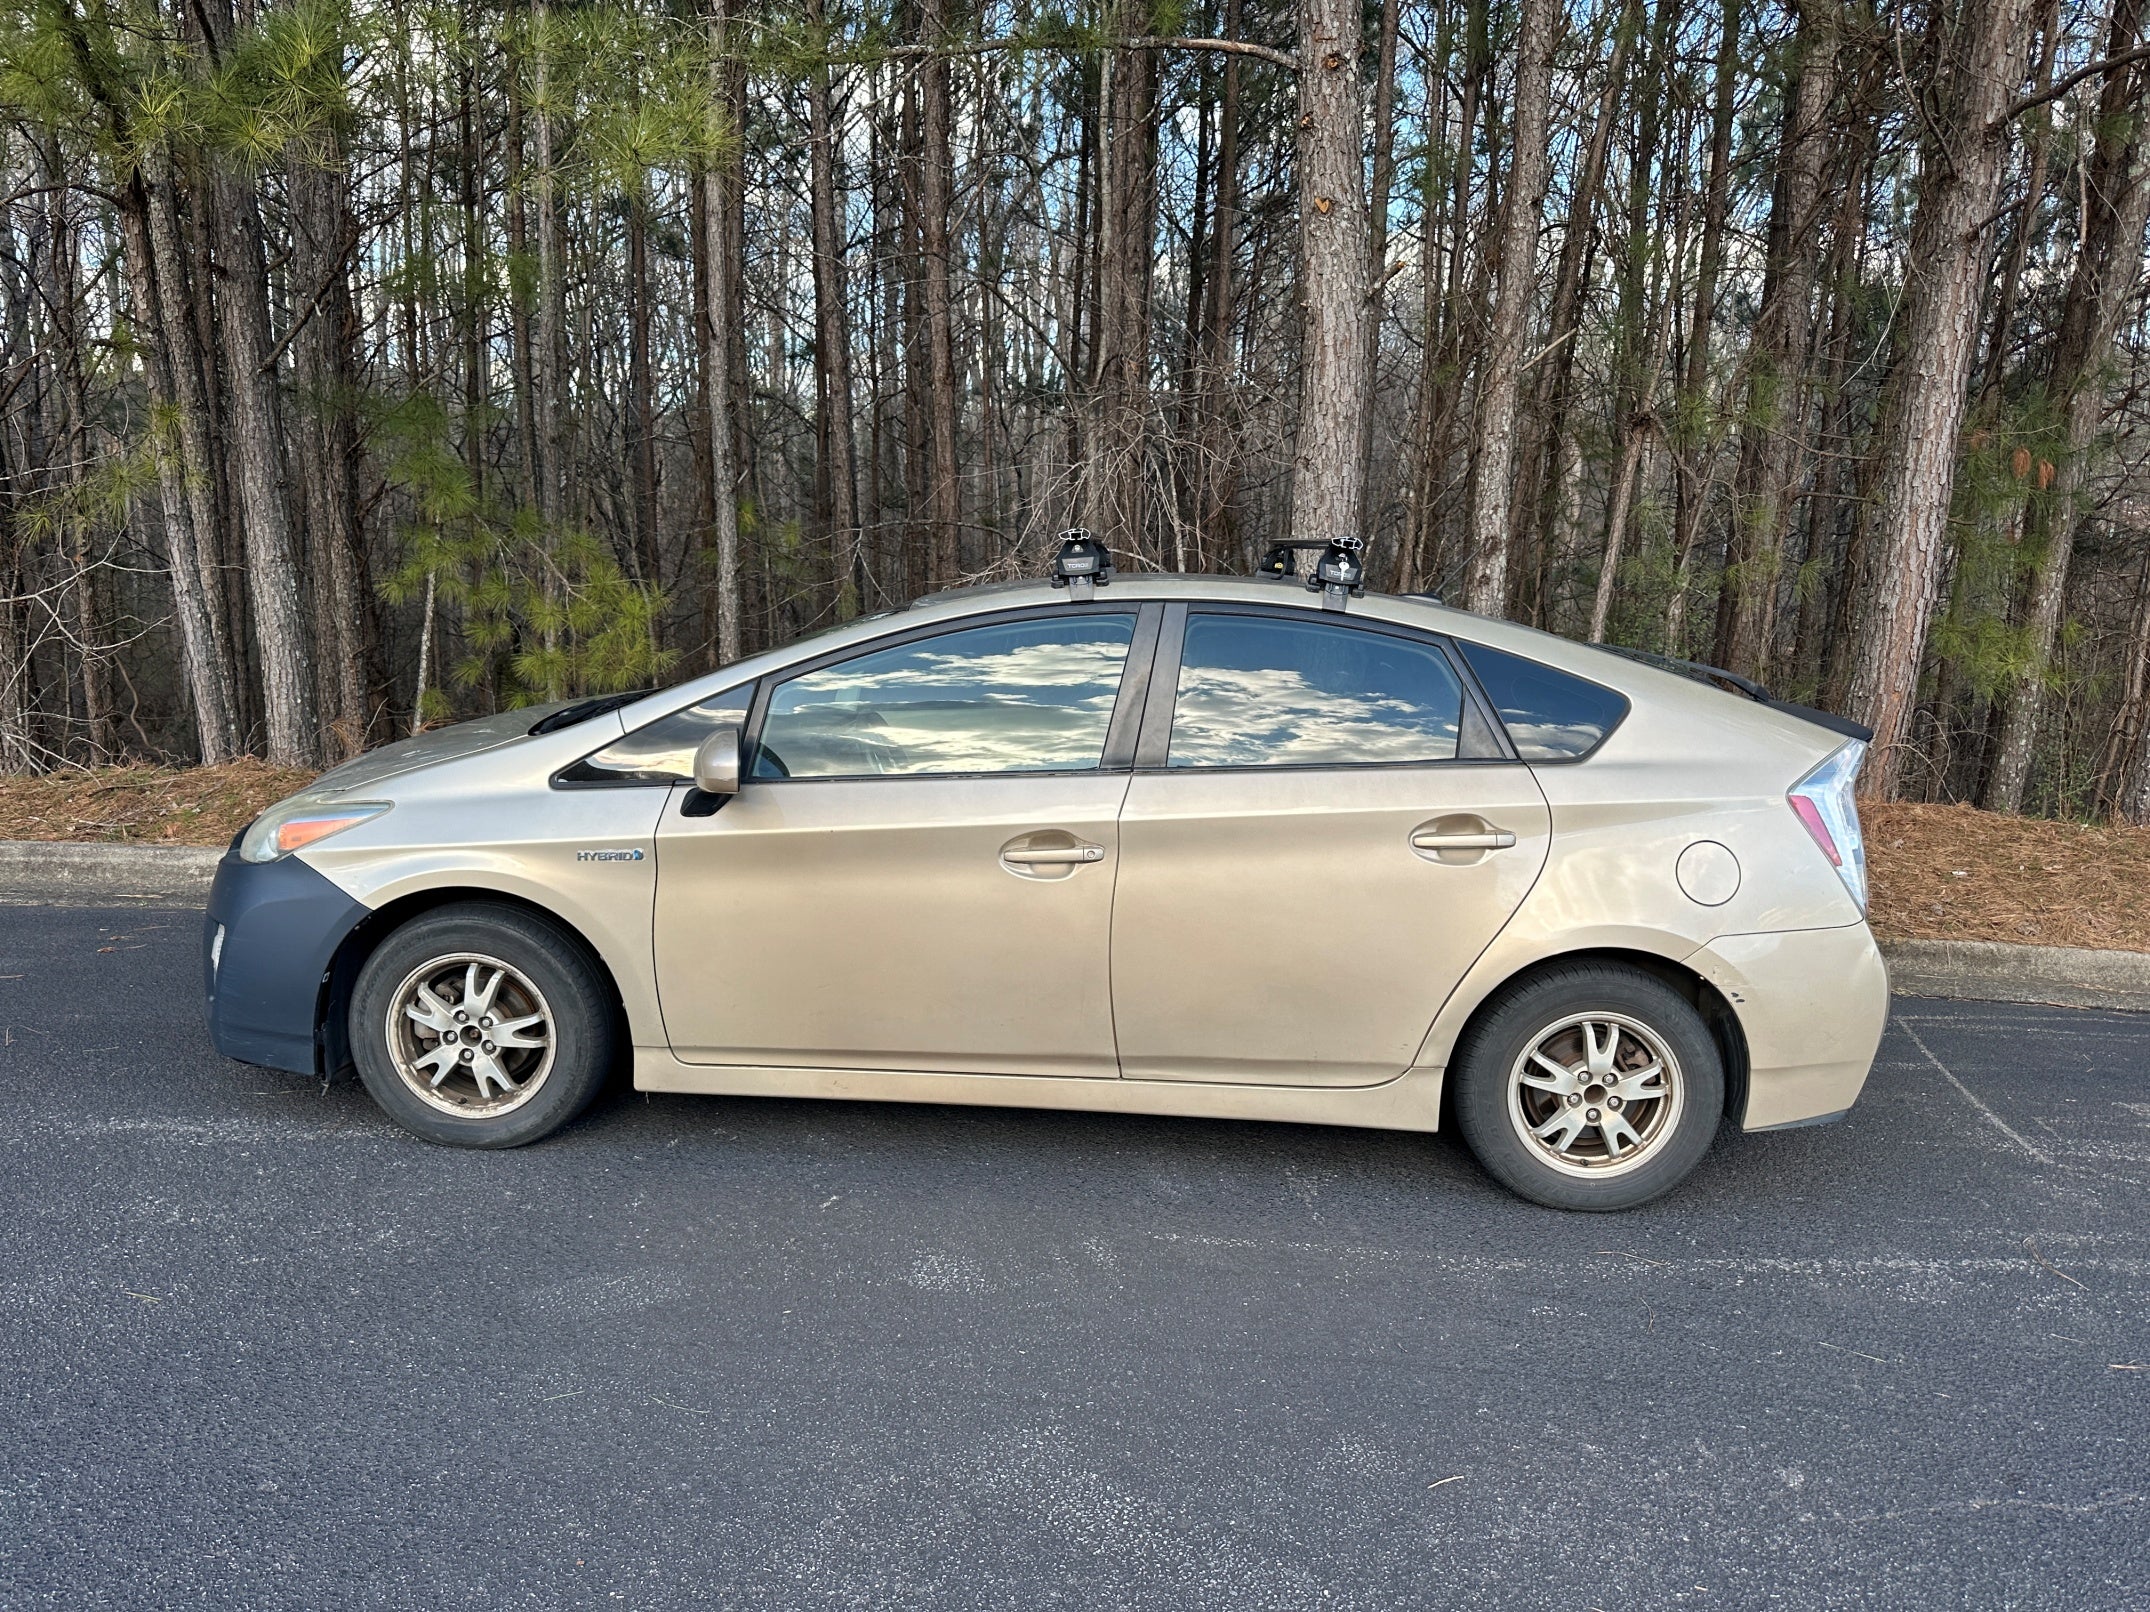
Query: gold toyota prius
[1247, 848]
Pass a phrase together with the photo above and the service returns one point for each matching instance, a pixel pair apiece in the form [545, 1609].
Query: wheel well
[1716, 1012]
[331, 1029]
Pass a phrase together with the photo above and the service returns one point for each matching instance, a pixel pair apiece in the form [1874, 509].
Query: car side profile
[1208, 846]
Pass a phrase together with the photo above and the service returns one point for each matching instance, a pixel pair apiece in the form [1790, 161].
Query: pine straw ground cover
[1939, 872]
[156, 805]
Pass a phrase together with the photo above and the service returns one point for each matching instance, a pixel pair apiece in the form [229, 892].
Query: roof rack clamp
[1340, 572]
[1082, 565]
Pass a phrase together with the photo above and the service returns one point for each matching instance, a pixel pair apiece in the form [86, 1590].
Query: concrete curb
[41, 873]
[1989, 971]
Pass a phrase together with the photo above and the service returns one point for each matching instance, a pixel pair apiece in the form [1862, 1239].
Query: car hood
[430, 749]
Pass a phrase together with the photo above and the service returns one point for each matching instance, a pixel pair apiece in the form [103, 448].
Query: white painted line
[1971, 1097]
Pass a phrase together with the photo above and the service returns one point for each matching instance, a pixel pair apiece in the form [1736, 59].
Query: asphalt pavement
[260, 1349]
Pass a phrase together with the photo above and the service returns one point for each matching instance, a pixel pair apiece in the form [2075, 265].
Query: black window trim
[1153, 752]
[1127, 710]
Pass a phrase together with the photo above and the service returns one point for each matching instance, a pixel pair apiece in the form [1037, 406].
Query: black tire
[566, 1068]
[1596, 1176]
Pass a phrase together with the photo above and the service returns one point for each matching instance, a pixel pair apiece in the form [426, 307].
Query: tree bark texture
[1982, 51]
[1500, 387]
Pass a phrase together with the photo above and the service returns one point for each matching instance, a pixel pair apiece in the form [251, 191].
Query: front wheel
[482, 1025]
[1591, 1086]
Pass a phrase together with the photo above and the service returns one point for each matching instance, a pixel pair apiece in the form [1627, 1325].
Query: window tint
[1018, 696]
[662, 752]
[1550, 716]
[1260, 691]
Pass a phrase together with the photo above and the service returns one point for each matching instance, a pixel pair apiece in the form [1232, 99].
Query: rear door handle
[1491, 839]
[1055, 855]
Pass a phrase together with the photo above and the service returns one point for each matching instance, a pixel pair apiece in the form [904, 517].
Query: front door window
[1008, 697]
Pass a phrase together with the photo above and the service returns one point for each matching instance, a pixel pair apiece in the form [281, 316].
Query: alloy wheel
[1595, 1094]
[471, 1035]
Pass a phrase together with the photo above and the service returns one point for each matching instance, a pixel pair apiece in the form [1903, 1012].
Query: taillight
[1824, 802]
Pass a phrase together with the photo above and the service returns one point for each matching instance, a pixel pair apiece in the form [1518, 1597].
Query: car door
[917, 870]
[1324, 830]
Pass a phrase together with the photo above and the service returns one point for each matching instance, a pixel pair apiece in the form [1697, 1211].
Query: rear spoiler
[1733, 683]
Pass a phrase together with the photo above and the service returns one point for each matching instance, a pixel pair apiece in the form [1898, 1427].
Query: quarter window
[1550, 716]
[1012, 696]
[662, 752]
[1260, 691]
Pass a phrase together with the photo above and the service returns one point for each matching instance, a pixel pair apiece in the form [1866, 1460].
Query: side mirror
[716, 763]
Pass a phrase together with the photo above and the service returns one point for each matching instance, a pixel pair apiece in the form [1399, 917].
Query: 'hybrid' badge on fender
[609, 856]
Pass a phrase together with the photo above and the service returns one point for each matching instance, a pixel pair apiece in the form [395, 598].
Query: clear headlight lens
[1823, 800]
[295, 824]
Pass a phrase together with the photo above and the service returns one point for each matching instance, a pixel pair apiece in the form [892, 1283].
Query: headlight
[283, 829]
[1823, 800]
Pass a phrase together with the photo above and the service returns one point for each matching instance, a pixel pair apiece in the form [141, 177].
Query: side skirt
[1410, 1102]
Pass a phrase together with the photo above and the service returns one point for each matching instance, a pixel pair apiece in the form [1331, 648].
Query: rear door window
[1265, 691]
[1550, 715]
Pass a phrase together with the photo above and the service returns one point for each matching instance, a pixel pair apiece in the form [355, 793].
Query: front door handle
[1056, 855]
[1051, 853]
[1485, 839]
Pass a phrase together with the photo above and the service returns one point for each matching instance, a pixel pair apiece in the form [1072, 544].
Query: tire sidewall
[1492, 1046]
[582, 1012]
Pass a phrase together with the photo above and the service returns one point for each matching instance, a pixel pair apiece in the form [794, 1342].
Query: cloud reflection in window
[1031, 696]
[1257, 692]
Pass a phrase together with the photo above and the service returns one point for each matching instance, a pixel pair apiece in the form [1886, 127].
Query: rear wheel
[1590, 1086]
[482, 1025]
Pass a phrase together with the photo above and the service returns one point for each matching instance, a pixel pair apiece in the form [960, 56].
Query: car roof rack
[1338, 575]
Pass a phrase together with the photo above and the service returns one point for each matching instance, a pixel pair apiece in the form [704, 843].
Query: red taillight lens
[1810, 814]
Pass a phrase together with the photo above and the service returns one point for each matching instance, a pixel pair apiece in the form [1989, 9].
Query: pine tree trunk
[324, 234]
[1115, 500]
[2108, 267]
[944, 488]
[254, 442]
[1328, 477]
[1983, 58]
[71, 442]
[186, 463]
[1213, 519]
[1491, 529]
[832, 341]
[1384, 177]
[1545, 435]
[1695, 449]
[719, 321]
[1772, 441]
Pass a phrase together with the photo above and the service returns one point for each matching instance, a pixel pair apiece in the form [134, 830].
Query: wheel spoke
[1598, 1058]
[428, 1009]
[1632, 1085]
[441, 1060]
[475, 999]
[1557, 1078]
[1618, 1133]
[486, 1070]
[1568, 1124]
[509, 1034]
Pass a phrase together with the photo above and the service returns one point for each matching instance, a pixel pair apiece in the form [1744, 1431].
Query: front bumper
[281, 923]
[1812, 1004]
